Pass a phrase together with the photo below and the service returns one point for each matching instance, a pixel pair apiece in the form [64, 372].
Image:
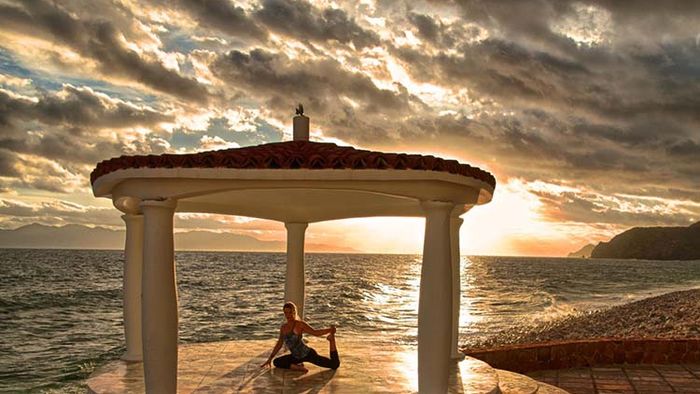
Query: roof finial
[301, 125]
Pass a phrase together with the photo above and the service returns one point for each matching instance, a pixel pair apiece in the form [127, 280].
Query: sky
[586, 112]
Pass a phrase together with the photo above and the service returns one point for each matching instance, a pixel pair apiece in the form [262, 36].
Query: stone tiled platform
[228, 367]
[651, 379]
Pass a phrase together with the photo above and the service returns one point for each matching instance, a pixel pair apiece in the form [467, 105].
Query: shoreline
[674, 315]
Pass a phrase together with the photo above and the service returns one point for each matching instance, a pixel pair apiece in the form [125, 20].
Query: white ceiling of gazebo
[295, 195]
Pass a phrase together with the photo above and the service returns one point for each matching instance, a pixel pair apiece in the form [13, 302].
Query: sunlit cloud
[215, 143]
[49, 211]
[13, 81]
[587, 24]
[585, 111]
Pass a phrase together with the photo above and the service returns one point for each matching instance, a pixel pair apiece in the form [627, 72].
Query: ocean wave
[61, 311]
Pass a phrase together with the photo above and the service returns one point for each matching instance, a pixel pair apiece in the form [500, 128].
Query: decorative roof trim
[294, 155]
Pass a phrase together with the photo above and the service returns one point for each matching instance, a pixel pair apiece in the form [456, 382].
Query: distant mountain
[75, 236]
[584, 252]
[71, 236]
[653, 243]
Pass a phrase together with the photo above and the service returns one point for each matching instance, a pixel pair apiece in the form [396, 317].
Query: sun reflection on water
[406, 361]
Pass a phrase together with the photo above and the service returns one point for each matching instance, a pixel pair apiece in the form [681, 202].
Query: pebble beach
[671, 315]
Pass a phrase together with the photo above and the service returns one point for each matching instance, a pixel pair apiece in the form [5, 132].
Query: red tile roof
[292, 155]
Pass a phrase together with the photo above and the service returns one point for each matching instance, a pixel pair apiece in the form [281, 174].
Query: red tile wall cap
[294, 155]
[525, 358]
[604, 340]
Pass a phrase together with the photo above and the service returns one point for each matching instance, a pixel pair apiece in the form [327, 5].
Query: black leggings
[313, 357]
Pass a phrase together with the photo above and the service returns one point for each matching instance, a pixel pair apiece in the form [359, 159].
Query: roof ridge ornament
[300, 125]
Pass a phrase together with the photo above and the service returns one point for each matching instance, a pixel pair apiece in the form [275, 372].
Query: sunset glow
[586, 112]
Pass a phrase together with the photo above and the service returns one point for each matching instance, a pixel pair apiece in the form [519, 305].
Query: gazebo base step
[233, 366]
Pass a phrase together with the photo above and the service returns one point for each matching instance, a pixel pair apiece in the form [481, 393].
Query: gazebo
[296, 182]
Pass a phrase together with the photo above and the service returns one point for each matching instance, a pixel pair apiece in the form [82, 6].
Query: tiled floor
[651, 379]
[227, 367]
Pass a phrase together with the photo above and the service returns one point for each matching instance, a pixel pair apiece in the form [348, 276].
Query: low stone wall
[586, 353]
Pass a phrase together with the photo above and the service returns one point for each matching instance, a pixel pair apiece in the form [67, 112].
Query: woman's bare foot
[299, 367]
[331, 339]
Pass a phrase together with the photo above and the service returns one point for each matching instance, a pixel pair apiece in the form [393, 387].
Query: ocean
[61, 310]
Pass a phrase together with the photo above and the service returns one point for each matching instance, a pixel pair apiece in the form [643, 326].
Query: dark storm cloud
[640, 21]
[588, 208]
[322, 85]
[65, 130]
[7, 164]
[686, 148]
[439, 34]
[620, 114]
[63, 147]
[427, 27]
[303, 21]
[297, 19]
[75, 107]
[58, 212]
[513, 88]
[431, 126]
[529, 64]
[99, 40]
[518, 76]
[224, 16]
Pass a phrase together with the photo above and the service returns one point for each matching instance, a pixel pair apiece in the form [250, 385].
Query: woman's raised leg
[333, 362]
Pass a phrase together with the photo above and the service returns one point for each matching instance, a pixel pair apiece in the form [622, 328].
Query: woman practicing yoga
[290, 335]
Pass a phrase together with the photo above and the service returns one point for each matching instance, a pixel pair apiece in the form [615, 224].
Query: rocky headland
[584, 252]
[653, 243]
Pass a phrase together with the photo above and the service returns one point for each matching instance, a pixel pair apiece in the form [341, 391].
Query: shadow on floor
[250, 377]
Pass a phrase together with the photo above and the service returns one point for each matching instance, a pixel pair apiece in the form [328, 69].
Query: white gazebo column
[294, 284]
[159, 312]
[435, 302]
[455, 258]
[133, 266]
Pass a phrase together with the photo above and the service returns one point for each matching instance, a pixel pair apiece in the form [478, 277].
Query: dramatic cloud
[224, 16]
[595, 106]
[100, 41]
[586, 111]
[337, 96]
[620, 210]
[56, 212]
[78, 107]
[7, 164]
[69, 130]
[303, 21]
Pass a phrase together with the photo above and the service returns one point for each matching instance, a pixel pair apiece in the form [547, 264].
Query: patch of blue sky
[186, 68]
[262, 133]
[43, 81]
[267, 132]
[9, 66]
[185, 139]
[177, 40]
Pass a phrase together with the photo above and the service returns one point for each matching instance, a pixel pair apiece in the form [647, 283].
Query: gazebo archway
[297, 183]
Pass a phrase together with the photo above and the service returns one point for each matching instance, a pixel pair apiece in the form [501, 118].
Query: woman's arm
[310, 330]
[276, 349]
